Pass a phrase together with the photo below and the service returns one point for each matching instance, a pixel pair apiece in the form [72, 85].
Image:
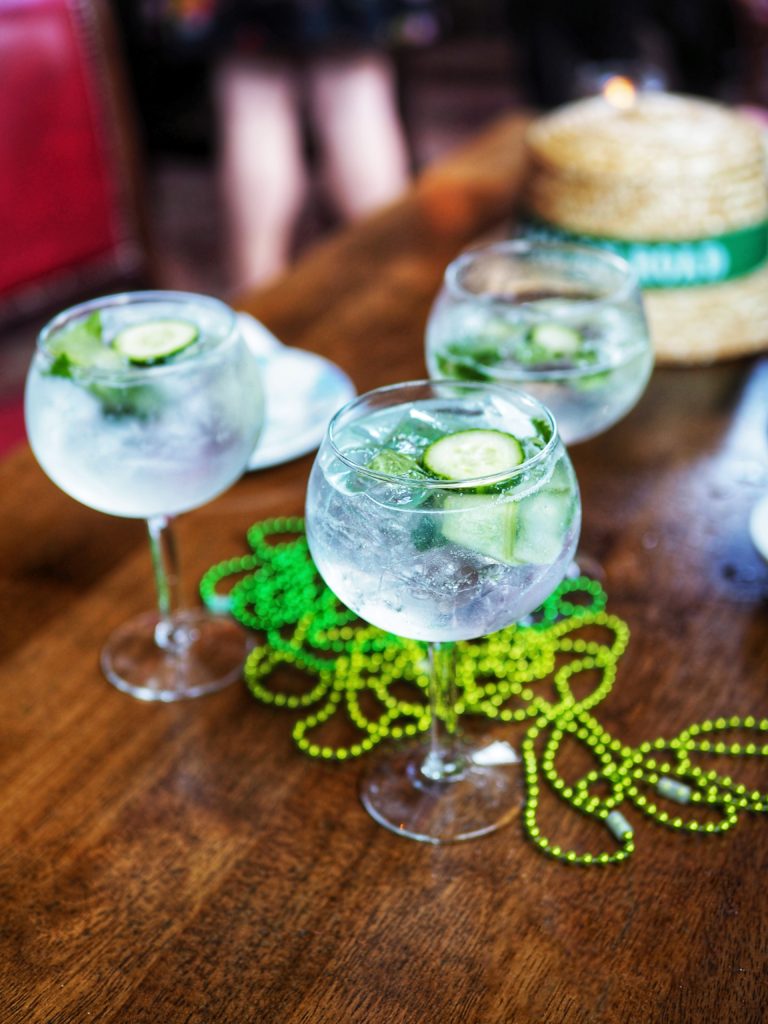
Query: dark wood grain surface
[185, 863]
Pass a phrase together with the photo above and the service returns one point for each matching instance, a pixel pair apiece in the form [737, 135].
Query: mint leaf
[81, 346]
[60, 367]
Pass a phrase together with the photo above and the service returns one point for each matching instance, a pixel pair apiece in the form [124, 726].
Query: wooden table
[185, 863]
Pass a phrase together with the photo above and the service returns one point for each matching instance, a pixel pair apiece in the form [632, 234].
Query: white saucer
[302, 391]
[758, 526]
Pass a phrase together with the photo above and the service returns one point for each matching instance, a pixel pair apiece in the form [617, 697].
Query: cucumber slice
[470, 454]
[542, 524]
[529, 531]
[561, 481]
[557, 341]
[155, 340]
[486, 525]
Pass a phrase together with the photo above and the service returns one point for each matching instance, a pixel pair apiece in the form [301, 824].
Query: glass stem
[444, 762]
[165, 565]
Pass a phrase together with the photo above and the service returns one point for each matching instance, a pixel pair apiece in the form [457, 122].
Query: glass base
[194, 654]
[482, 797]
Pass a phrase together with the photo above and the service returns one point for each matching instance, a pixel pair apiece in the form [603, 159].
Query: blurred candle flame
[619, 92]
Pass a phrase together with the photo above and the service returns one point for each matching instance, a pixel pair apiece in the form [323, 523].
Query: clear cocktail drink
[142, 440]
[564, 323]
[149, 404]
[421, 557]
[442, 511]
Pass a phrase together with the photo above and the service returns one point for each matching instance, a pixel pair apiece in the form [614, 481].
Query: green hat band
[676, 264]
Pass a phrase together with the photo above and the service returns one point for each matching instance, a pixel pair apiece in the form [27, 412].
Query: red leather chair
[71, 219]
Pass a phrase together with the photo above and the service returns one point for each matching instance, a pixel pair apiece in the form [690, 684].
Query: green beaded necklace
[355, 674]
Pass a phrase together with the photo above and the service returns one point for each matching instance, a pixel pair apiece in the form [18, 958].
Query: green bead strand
[508, 677]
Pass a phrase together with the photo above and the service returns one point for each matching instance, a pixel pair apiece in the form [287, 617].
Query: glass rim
[127, 298]
[511, 246]
[434, 483]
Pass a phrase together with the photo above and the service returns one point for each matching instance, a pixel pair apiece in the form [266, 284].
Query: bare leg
[354, 111]
[261, 161]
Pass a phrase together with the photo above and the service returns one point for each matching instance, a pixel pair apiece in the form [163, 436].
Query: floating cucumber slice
[561, 480]
[551, 342]
[542, 525]
[529, 531]
[155, 340]
[485, 525]
[557, 341]
[469, 454]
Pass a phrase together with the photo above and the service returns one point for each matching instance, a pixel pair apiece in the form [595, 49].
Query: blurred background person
[291, 65]
[300, 95]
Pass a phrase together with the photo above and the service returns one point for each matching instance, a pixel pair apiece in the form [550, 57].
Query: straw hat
[678, 186]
